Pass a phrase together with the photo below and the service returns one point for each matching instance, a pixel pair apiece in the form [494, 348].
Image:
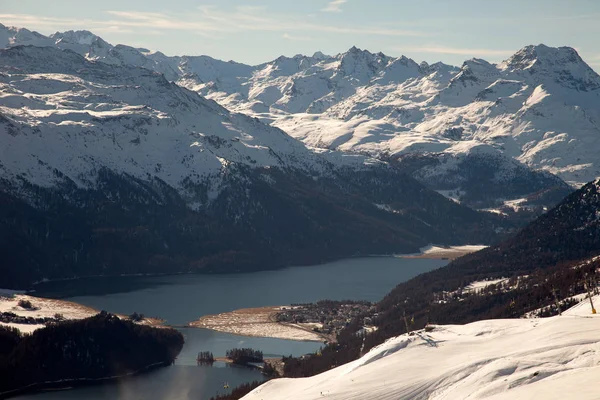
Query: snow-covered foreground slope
[552, 358]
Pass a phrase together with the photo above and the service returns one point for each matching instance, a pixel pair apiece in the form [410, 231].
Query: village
[326, 317]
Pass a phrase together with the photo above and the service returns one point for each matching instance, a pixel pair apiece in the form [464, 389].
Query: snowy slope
[388, 108]
[553, 358]
[545, 115]
[370, 103]
[13, 36]
[61, 112]
[539, 107]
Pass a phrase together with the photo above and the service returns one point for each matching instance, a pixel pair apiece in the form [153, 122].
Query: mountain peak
[474, 70]
[357, 52]
[561, 65]
[362, 64]
[437, 66]
[318, 55]
[477, 62]
[77, 37]
[531, 55]
[398, 70]
[14, 36]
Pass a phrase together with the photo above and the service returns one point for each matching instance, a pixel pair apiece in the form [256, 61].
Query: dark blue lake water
[183, 298]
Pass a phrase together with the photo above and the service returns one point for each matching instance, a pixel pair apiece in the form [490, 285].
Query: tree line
[244, 356]
[546, 257]
[94, 348]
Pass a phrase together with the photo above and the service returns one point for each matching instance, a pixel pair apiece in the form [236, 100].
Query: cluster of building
[328, 317]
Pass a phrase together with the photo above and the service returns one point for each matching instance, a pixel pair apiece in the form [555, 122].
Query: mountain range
[113, 169]
[480, 133]
[102, 130]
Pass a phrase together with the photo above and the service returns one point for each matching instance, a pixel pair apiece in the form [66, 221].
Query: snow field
[552, 358]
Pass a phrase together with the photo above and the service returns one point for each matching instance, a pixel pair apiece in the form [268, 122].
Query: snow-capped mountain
[387, 107]
[540, 108]
[125, 118]
[12, 36]
[110, 168]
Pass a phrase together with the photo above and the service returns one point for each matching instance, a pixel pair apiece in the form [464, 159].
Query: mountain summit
[561, 65]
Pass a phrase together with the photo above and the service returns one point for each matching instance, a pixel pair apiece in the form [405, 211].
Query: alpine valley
[117, 160]
[191, 164]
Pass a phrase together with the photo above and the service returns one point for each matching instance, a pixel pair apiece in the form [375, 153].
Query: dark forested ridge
[94, 348]
[544, 264]
[481, 183]
[570, 231]
[262, 219]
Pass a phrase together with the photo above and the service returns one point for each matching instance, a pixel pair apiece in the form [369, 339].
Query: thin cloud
[208, 21]
[34, 21]
[334, 6]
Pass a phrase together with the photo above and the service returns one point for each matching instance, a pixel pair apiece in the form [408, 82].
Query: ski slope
[551, 358]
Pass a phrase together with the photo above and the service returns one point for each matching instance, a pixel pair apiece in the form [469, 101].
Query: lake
[180, 299]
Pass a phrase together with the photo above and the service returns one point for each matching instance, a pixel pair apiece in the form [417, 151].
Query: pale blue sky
[255, 31]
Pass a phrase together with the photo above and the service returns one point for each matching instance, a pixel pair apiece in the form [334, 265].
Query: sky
[256, 31]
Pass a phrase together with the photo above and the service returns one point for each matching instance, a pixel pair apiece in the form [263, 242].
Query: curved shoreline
[259, 322]
[454, 252]
[49, 308]
[67, 384]
[443, 252]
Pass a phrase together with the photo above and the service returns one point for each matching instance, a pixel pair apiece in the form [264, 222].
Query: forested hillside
[542, 267]
[75, 352]
[112, 169]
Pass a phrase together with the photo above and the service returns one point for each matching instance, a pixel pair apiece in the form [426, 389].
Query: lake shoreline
[259, 322]
[48, 308]
[183, 298]
[253, 322]
[69, 384]
[444, 252]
